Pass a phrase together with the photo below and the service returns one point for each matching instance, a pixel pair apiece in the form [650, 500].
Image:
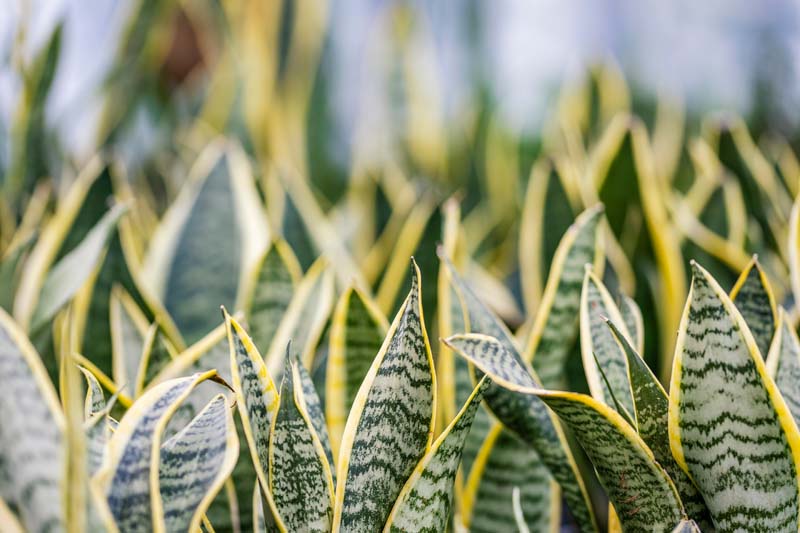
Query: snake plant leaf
[632, 318]
[526, 415]
[717, 364]
[556, 323]
[753, 297]
[305, 317]
[31, 433]
[192, 467]
[390, 426]
[651, 409]
[641, 491]
[687, 526]
[128, 331]
[357, 332]
[10, 268]
[505, 464]
[124, 478]
[157, 352]
[600, 351]
[70, 273]
[257, 400]
[519, 517]
[95, 399]
[275, 278]
[312, 406]
[783, 363]
[299, 472]
[426, 501]
[215, 225]
[98, 432]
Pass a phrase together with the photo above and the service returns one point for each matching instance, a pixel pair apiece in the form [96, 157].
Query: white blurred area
[710, 54]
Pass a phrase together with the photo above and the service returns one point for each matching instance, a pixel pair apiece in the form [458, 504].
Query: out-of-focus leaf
[783, 363]
[95, 399]
[396, 412]
[753, 297]
[128, 332]
[357, 332]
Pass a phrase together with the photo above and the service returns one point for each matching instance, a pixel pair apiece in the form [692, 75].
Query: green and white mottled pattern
[687, 526]
[95, 399]
[556, 324]
[125, 477]
[313, 409]
[743, 461]
[356, 335]
[753, 297]
[31, 434]
[783, 363]
[651, 411]
[512, 465]
[632, 317]
[426, 501]
[256, 395]
[194, 464]
[391, 424]
[528, 417]
[98, 432]
[643, 495]
[598, 346]
[299, 473]
[275, 279]
[156, 355]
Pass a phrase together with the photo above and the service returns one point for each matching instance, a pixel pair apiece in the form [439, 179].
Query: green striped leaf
[125, 476]
[95, 399]
[157, 353]
[216, 225]
[506, 464]
[98, 432]
[31, 433]
[753, 298]
[426, 501]
[783, 363]
[313, 409]
[651, 410]
[556, 323]
[743, 461]
[641, 491]
[600, 349]
[390, 426]
[72, 271]
[257, 400]
[686, 526]
[632, 318]
[299, 472]
[304, 319]
[357, 332]
[192, 467]
[274, 281]
[526, 415]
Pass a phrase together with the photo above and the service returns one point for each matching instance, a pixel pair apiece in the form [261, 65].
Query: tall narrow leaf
[783, 363]
[753, 298]
[717, 364]
[390, 426]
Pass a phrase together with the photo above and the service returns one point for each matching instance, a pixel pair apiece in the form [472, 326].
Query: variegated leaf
[95, 399]
[305, 317]
[215, 225]
[426, 501]
[632, 317]
[598, 347]
[257, 400]
[31, 433]
[783, 363]
[192, 467]
[128, 330]
[357, 332]
[70, 273]
[641, 491]
[275, 277]
[157, 353]
[651, 406]
[390, 426]
[556, 323]
[125, 476]
[753, 298]
[687, 526]
[299, 472]
[526, 415]
[505, 464]
[744, 462]
[313, 408]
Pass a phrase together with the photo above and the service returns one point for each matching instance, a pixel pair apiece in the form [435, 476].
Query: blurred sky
[710, 54]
